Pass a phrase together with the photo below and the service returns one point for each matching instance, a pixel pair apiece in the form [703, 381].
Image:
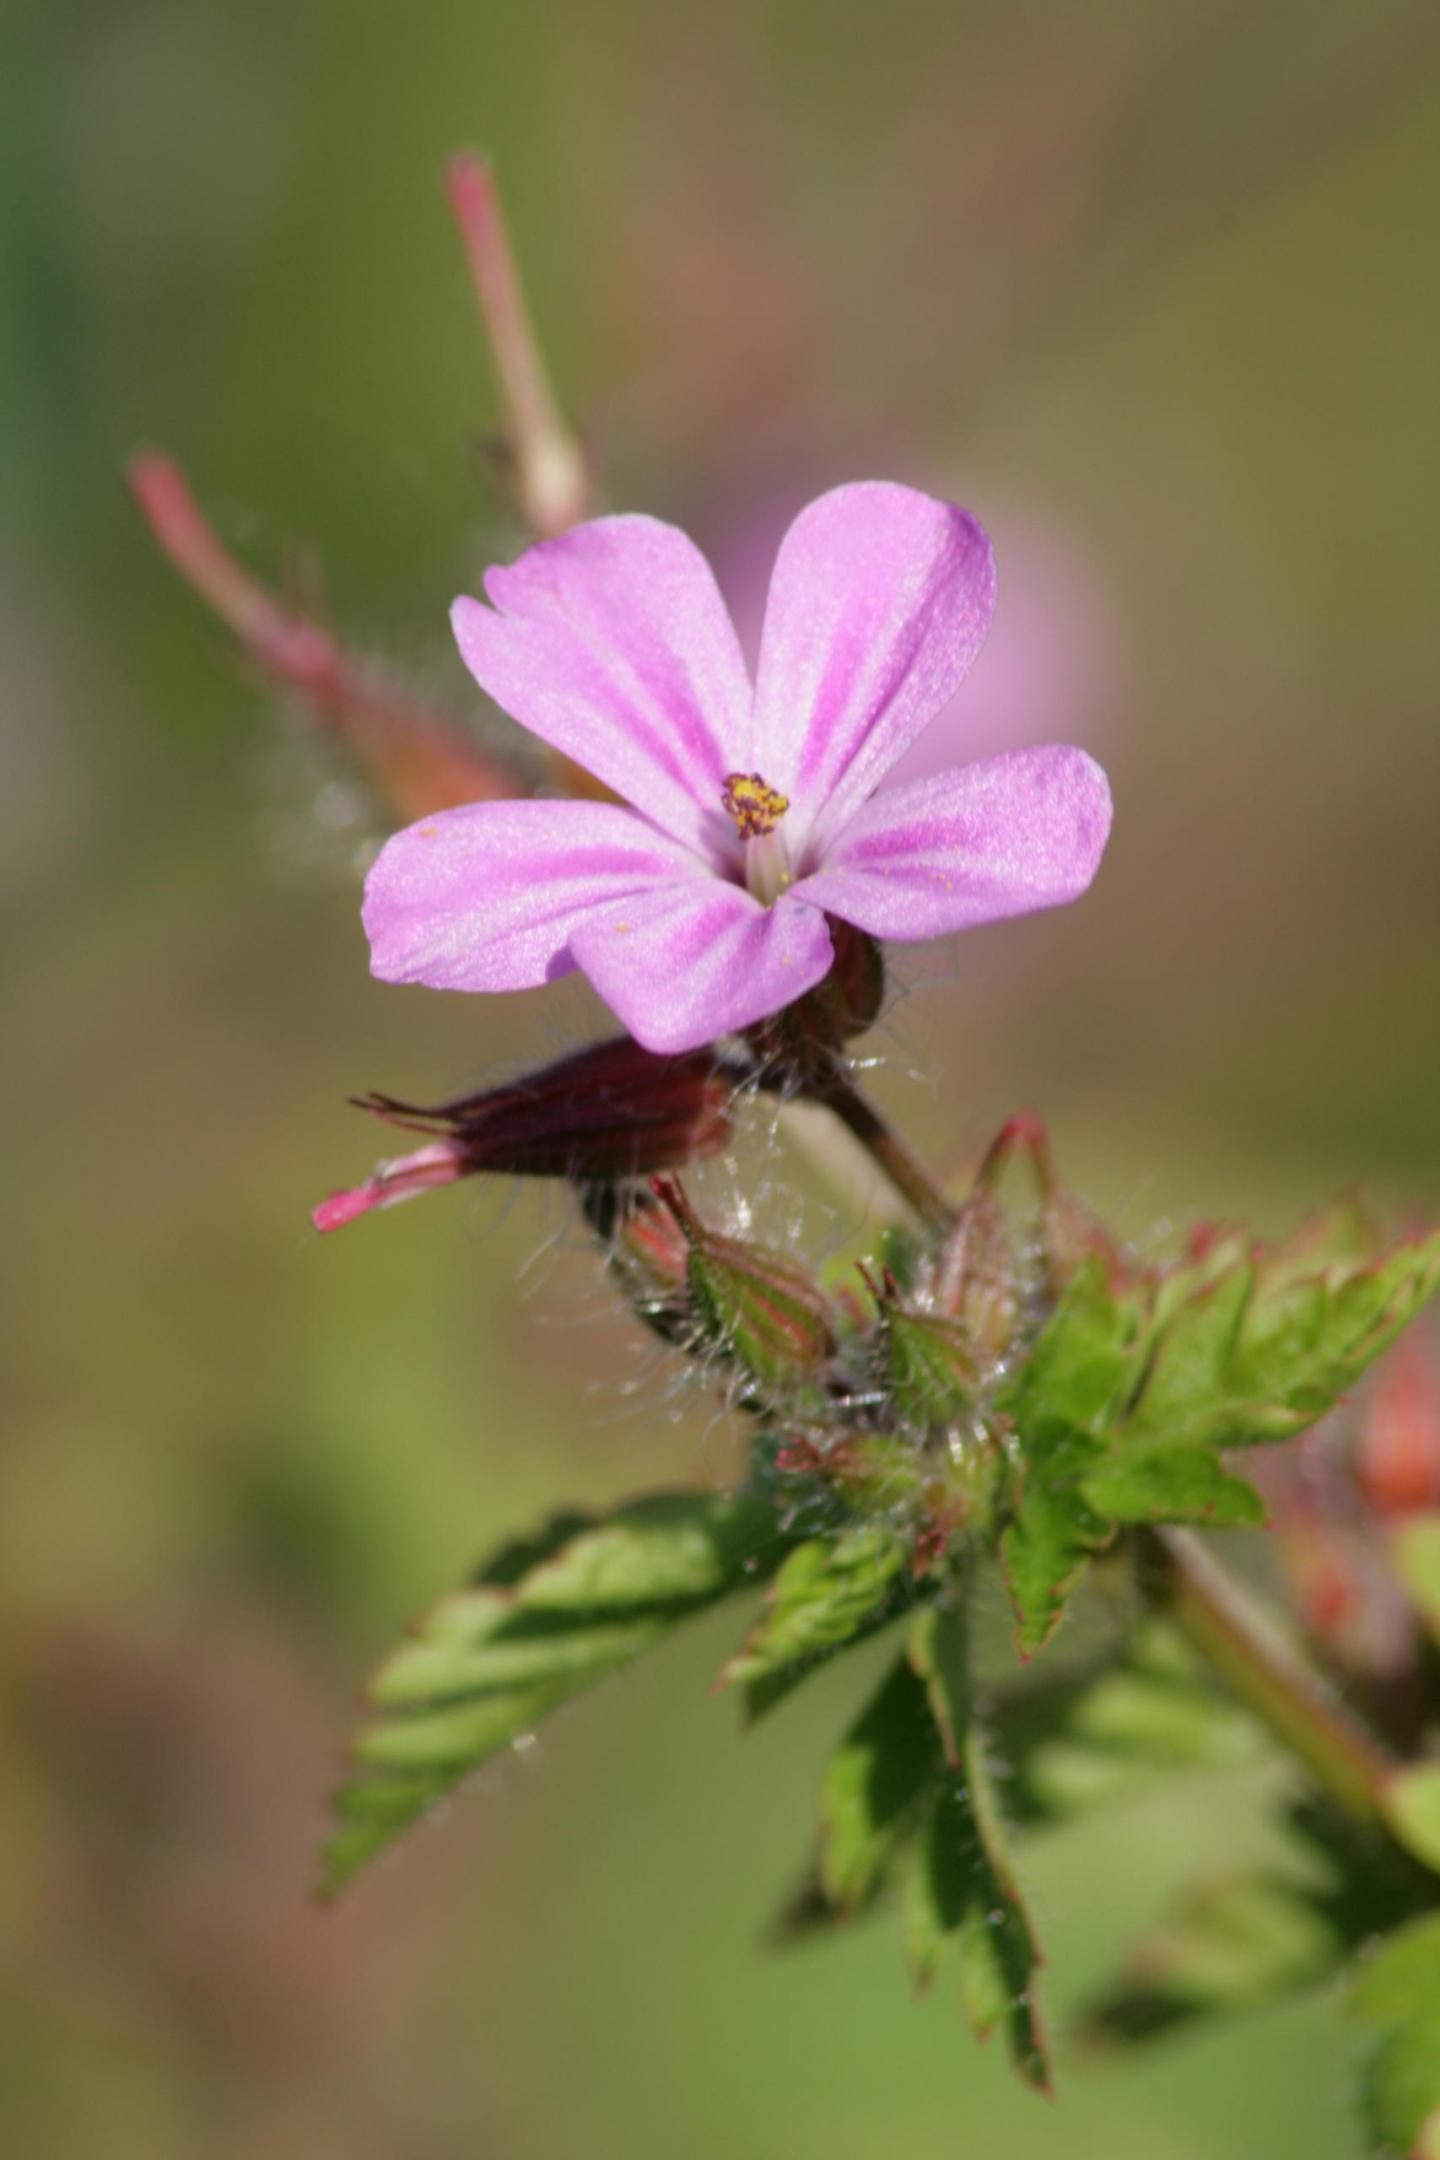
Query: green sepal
[929, 1372]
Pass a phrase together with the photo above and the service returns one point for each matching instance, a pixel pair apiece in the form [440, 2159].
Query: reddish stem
[417, 761]
[552, 483]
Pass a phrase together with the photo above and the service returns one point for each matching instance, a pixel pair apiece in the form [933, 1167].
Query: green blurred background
[1151, 288]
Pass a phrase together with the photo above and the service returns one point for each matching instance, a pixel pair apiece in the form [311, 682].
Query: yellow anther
[756, 807]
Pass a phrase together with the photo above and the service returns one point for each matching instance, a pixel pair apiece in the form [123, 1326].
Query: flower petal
[879, 602]
[1002, 837]
[692, 961]
[486, 897]
[612, 644]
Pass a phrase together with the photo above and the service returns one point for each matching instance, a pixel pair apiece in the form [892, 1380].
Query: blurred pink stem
[417, 761]
[552, 483]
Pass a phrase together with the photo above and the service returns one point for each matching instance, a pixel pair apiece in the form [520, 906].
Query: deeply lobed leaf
[546, 1619]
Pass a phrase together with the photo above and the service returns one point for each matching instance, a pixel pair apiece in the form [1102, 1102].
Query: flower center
[757, 809]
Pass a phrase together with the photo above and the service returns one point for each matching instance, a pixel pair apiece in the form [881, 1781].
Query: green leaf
[1081, 1365]
[1397, 2000]
[963, 1885]
[1299, 1344]
[1236, 1942]
[1415, 1552]
[829, 1593]
[546, 1619]
[874, 1788]
[1190, 1359]
[1240, 1940]
[1091, 1739]
[1044, 1552]
[1165, 1484]
[1411, 1802]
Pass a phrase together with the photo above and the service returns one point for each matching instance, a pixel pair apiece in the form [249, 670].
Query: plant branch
[904, 1169]
[1240, 1644]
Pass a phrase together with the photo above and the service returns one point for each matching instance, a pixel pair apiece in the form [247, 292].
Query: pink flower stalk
[698, 904]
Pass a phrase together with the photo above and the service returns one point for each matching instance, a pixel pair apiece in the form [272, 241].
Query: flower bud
[1010, 1253]
[612, 1111]
[929, 1371]
[976, 1284]
[646, 1251]
[752, 1305]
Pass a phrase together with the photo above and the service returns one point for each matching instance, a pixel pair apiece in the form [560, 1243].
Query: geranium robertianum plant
[999, 1386]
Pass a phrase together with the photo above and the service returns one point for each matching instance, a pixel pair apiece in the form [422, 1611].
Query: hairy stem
[1239, 1643]
[904, 1169]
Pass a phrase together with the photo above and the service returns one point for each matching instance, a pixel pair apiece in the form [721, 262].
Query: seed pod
[752, 1305]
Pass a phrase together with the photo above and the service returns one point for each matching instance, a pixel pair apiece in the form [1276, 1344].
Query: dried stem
[417, 761]
[1239, 1643]
[551, 478]
[904, 1169]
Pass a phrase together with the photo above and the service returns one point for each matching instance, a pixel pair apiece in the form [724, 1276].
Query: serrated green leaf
[1397, 2000]
[1044, 1551]
[1081, 1366]
[1297, 1355]
[1415, 1552]
[1190, 1359]
[874, 1788]
[547, 1618]
[829, 1593]
[1177, 1485]
[963, 1884]
[1260, 1352]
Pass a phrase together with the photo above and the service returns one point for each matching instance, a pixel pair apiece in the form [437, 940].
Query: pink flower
[698, 904]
